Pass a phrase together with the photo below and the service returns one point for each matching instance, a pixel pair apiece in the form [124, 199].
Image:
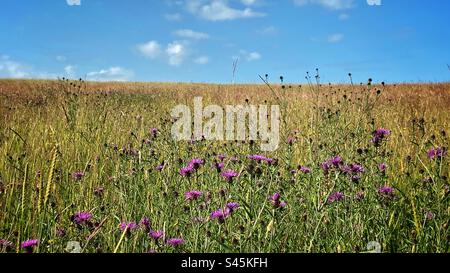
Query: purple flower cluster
[156, 234]
[160, 167]
[436, 153]
[353, 170]
[221, 214]
[145, 222]
[219, 166]
[386, 191]
[193, 165]
[175, 241]
[82, 217]
[229, 175]
[128, 225]
[379, 135]
[28, 245]
[304, 169]
[331, 163]
[335, 196]
[260, 158]
[193, 195]
[275, 199]
[78, 175]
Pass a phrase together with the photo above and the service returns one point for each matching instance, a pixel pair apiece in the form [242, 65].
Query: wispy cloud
[335, 38]
[176, 52]
[202, 60]
[73, 2]
[70, 71]
[330, 4]
[19, 70]
[248, 56]
[12, 69]
[151, 49]
[115, 73]
[220, 10]
[190, 34]
[173, 53]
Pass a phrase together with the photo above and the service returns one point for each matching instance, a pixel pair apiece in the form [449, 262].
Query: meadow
[359, 167]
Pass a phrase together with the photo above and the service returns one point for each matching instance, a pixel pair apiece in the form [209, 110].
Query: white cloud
[173, 17]
[190, 34]
[219, 10]
[335, 38]
[249, 2]
[115, 73]
[249, 56]
[202, 60]
[70, 71]
[151, 49]
[17, 70]
[330, 4]
[176, 52]
[73, 2]
[12, 69]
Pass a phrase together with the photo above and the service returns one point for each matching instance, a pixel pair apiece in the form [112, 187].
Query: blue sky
[197, 40]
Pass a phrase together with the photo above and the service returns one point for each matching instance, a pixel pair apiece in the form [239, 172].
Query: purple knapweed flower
[154, 132]
[156, 234]
[378, 136]
[196, 163]
[78, 175]
[159, 168]
[276, 202]
[221, 157]
[229, 174]
[219, 214]
[334, 197]
[219, 166]
[305, 170]
[333, 162]
[193, 195]
[187, 171]
[145, 222]
[382, 167]
[175, 241]
[336, 161]
[82, 217]
[260, 158]
[127, 225]
[436, 153]
[386, 191]
[28, 245]
[232, 206]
